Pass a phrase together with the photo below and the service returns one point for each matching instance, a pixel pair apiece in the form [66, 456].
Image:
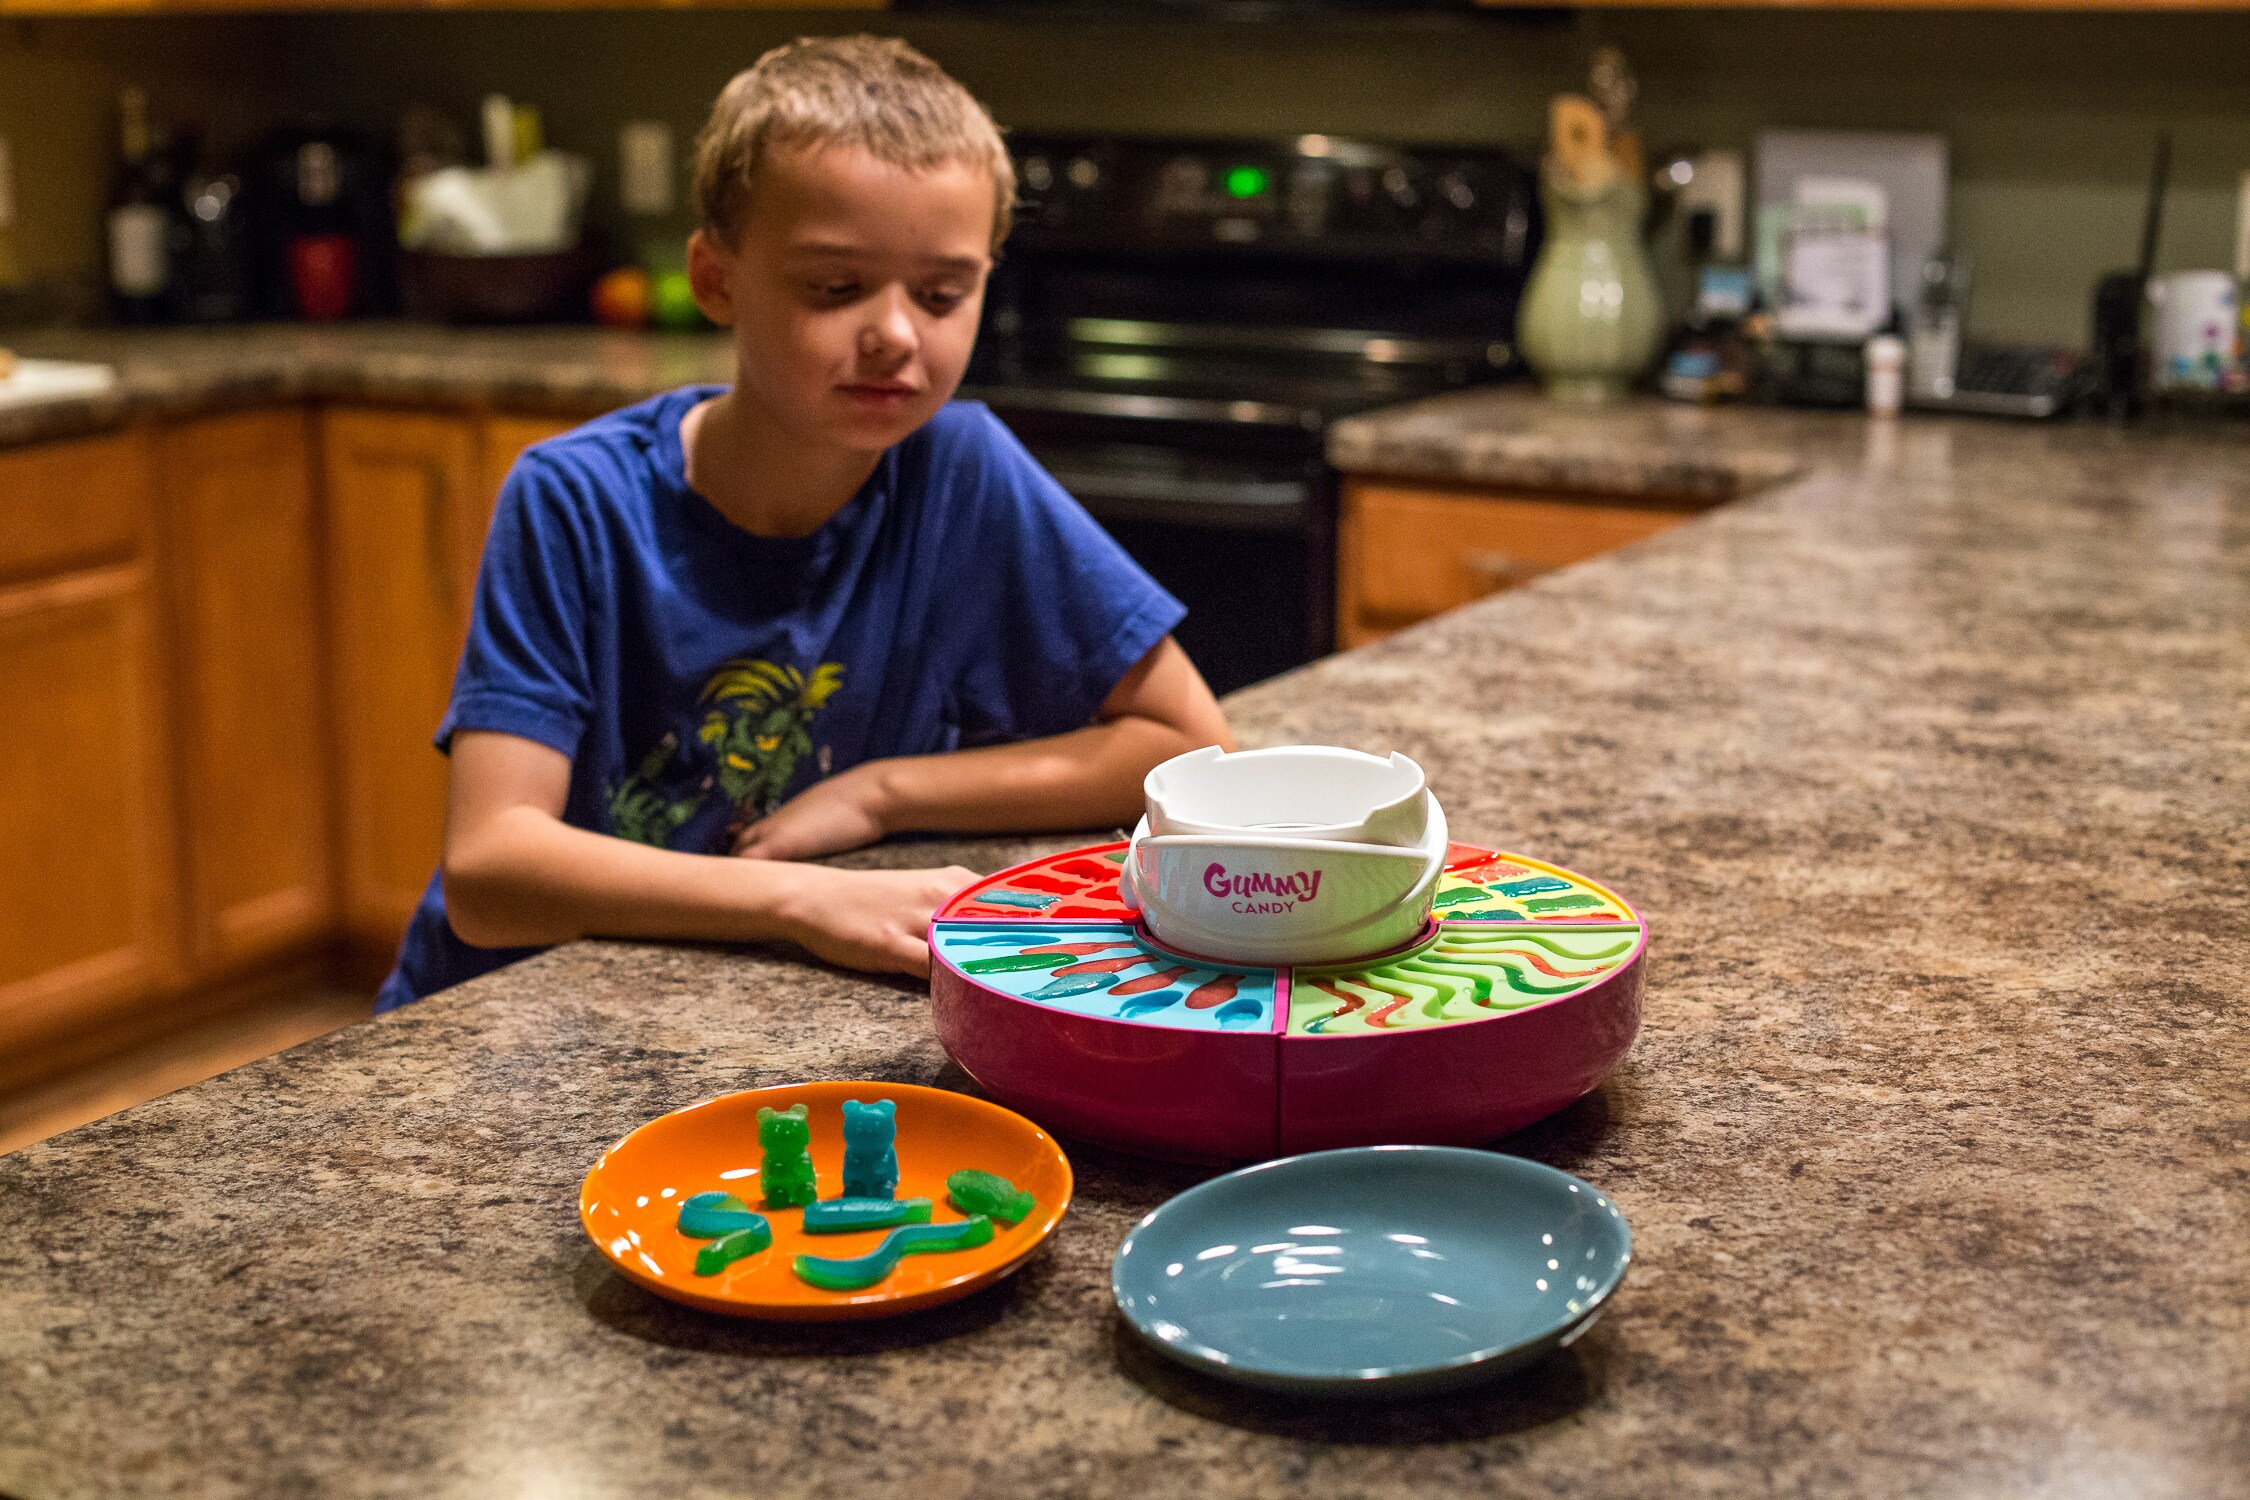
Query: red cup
[321, 272]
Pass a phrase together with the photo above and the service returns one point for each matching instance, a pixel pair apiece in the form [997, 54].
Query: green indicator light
[1246, 182]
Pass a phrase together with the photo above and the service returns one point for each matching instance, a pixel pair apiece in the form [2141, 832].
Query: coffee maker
[2120, 371]
[327, 246]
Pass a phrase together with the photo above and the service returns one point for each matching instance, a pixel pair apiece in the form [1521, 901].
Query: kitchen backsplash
[2050, 116]
[59, 81]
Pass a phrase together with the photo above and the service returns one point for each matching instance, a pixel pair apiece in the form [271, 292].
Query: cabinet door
[406, 514]
[66, 506]
[1410, 553]
[242, 565]
[87, 876]
[503, 440]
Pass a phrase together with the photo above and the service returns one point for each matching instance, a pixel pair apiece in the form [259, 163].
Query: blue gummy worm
[859, 1271]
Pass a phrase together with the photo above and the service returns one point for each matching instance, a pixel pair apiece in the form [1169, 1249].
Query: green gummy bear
[706, 1216]
[864, 1271]
[785, 1169]
[727, 1249]
[988, 1193]
[842, 1215]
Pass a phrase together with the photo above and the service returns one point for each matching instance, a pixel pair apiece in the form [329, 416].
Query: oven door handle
[1230, 504]
[1160, 408]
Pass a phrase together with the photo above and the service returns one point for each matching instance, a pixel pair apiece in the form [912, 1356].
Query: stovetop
[1299, 379]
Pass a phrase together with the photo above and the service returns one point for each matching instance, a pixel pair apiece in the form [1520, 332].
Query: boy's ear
[708, 262]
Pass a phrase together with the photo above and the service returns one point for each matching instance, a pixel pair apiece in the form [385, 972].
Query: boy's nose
[888, 333]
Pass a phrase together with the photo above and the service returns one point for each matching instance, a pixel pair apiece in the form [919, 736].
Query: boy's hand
[832, 815]
[872, 919]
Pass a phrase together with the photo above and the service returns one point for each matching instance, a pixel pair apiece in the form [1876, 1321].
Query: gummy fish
[988, 1193]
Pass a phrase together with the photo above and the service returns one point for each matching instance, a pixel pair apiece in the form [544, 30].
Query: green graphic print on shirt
[756, 728]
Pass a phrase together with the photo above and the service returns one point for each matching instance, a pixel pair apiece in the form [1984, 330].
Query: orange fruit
[624, 298]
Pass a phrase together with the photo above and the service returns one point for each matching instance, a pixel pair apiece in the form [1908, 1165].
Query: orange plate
[630, 1203]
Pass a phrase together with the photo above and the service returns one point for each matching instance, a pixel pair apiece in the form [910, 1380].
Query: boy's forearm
[1088, 778]
[528, 878]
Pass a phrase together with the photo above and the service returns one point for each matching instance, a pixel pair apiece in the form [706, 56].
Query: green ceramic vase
[1590, 317]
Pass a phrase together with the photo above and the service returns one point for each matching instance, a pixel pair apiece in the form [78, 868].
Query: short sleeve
[525, 668]
[1064, 611]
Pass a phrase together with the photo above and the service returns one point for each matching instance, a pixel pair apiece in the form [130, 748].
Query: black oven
[1175, 324]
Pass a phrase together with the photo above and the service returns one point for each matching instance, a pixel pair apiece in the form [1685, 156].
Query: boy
[733, 627]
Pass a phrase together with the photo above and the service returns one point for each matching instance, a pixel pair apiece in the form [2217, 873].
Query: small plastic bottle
[1886, 375]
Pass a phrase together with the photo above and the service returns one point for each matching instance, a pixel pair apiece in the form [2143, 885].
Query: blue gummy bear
[870, 1149]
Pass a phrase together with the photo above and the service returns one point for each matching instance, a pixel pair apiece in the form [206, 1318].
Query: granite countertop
[1511, 435]
[178, 372]
[1929, 770]
[1670, 455]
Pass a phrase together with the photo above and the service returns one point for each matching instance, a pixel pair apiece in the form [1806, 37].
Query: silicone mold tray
[1520, 996]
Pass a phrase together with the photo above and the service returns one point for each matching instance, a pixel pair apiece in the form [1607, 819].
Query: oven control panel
[1316, 194]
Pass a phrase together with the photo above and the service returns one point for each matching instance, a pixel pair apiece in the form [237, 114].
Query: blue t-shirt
[698, 675]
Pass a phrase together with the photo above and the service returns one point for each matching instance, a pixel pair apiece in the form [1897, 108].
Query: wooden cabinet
[137, 7]
[30, 8]
[503, 438]
[244, 585]
[406, 515]
[224, 646]
[87, 871]
[409, 496]
[1407, 552]
[72, 505]
[189, 7]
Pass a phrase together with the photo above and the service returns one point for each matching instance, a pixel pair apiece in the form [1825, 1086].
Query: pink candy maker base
[1519, 997]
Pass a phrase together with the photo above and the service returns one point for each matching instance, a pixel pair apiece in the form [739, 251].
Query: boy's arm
[1086, 778]
[516, 874]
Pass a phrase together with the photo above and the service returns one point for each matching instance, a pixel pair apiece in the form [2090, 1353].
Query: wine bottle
[142, 205]
[11, 268]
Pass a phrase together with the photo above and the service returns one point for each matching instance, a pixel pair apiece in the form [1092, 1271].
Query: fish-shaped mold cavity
[1113, 973]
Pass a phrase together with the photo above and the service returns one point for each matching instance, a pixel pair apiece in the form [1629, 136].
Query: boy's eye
[837, 291]
[942, 299]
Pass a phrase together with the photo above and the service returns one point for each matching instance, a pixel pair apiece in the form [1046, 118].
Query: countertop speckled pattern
[1931, 770]
[1512, 436]
[179, 372]
[1493, 436]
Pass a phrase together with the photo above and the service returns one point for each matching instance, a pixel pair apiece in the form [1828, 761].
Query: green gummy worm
[864, 1271]
[1007, 963]
[842, 1215]
[988, 1193]
[727, 1249]
[1571, 902]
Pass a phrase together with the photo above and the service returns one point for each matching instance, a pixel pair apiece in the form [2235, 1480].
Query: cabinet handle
[1500, 569]
[437, 513]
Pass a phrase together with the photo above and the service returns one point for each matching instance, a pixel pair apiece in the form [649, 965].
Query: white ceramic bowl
[1299, 791]
[1270, 898]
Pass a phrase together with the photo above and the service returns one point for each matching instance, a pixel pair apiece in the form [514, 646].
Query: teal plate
[1382, 1270]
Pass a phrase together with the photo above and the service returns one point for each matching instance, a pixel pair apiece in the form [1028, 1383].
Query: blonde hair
[873, 92]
